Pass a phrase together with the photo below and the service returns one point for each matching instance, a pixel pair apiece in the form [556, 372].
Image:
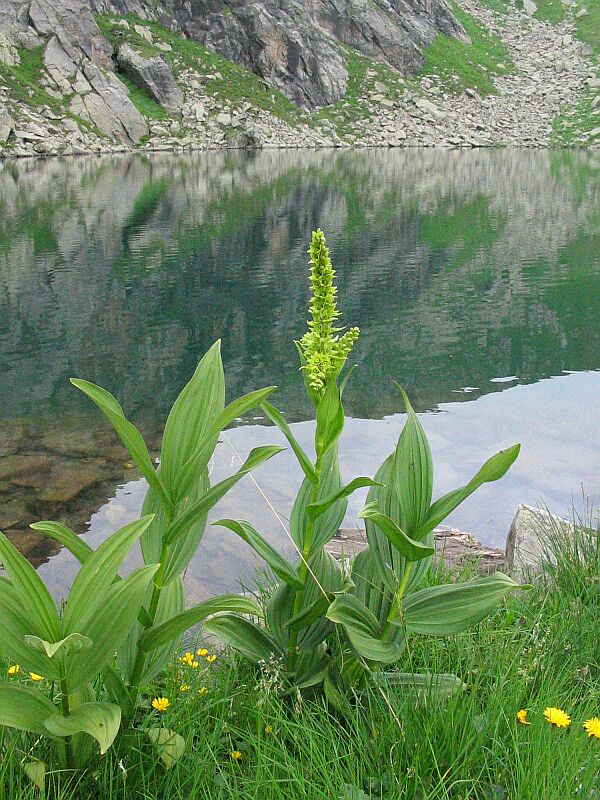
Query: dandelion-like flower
[211, 659]
[235, 755]
[522, 717]
[160, 704]
[557, 717]
[592, 727]
[202, 691]
[14, 669]
[35, 677]
[323, 351]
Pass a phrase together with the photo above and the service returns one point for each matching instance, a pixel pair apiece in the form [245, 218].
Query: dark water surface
[474, 276]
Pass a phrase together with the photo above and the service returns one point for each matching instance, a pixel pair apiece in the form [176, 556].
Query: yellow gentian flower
[160, 704]
[557, 717]
[592, 727]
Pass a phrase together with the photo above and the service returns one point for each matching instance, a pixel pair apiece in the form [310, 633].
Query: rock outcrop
[153, 75]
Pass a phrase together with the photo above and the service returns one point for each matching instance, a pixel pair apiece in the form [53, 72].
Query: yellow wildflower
[202, 652]
[268, 730]
[35, 678]
[188, 659]
[236, 755]
[557, 717]
[211, 659]
[185, 687]
[202, 691]
[592, 727]
[160, 704]
[14, 668]
[522, 717]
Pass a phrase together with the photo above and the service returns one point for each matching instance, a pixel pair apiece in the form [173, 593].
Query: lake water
[474, 277]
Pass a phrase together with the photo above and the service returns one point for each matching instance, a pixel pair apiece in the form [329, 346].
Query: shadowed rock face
[291, 44]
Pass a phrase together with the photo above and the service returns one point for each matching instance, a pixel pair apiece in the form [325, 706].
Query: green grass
[553, 11]
[588, 28]
[461, 65]
[540, 650]
[23, 80]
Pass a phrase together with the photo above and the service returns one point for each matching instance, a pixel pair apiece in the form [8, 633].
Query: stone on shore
[153, 75]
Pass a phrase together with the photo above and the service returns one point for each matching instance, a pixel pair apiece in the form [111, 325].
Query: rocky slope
[115, 75]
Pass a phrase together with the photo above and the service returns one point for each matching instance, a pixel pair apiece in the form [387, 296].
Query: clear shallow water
[474, 278]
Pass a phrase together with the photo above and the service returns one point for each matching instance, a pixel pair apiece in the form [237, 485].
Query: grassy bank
[244, 741]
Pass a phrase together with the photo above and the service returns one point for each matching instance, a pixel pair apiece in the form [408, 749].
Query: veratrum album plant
[336, 631]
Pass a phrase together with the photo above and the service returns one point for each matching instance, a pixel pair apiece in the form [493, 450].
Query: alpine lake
[474, 277]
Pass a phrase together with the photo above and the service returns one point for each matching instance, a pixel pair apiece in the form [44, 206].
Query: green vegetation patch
[462, 65]
[553, 11]
[23, 80]
[588, 28]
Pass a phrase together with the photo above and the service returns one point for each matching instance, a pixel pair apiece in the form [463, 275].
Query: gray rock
[144, 32]
[529, 7]
[530, 536]
[153, 75]
[583, 12]
[9, 54]
[6, 125]
[59, 65]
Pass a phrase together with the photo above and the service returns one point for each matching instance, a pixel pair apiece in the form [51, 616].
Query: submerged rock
[66, 481]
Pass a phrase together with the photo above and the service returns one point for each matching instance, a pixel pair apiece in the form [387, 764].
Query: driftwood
[453, 547]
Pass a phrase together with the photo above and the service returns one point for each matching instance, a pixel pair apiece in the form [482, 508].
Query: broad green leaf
[72, 643]
[426, 685]
[198, 509]
[36, 772]
[493, 469]
[15, 627]
[267, 552]
[201, 456]
[192, 415]
[65, 536]
[413, 471]
[36, 604]
[244, 636]
[278, 419]
[98, 573]
[330, 419]
[311, 668]
[127, 432]
[451, 608]
[171, 603]
[99, 720]
[182, 622]
[24, 708]
[363, 630]
[170, 746]
[315, 510]
[109, 629]
[408, 548]
[306, 616]
[327, 525]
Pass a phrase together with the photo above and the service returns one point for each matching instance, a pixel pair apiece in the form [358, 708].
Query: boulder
[529, 538]
[6, 125]
[153, 75]
[9, 54]
[59, 64]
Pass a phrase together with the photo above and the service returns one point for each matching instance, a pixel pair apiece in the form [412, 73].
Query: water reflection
[468, 272]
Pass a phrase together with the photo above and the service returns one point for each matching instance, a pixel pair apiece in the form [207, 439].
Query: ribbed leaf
[110, 627]
[493, 469]
[99, 720]
[330, 419]
[410, 549]
[72, 643]
[267, 552]
[98, 573]
[15, 627]
[428, 685]
[363, 630]
[278, 419]
[171, 603]
[169, 745]
[198, 509]
[24, 708]
[127, 432]
[65, 536]
[327, 525]
[451, 608]
[192, 416]
[315, 510]
[155, 637]
[413, 471]
[201, 456]
[36, 604]
[36, 772]
[244, 636]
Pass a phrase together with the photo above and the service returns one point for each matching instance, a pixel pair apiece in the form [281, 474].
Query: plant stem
[299, 595]
[69, 753]
[394, 610]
